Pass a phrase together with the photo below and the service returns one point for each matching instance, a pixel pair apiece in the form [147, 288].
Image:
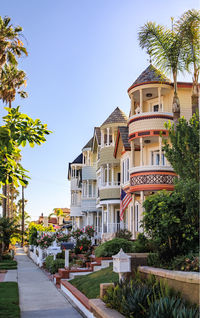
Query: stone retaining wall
[187, 283]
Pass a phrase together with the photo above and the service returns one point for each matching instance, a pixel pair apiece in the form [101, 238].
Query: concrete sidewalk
[39, 298]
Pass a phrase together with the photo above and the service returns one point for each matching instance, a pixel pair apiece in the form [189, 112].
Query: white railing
[114, 184]
[150, 168]
[75, 184]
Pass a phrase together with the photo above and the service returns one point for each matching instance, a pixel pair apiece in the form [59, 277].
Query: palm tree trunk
[176, 102]
[4, 200]
[195, 91]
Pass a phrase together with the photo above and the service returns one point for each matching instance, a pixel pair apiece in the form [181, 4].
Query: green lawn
[8, 264]
[89, 284]
[9, 300]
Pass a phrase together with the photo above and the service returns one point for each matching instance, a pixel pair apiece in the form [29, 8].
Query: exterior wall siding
[147, 124]
[88, 205]
[107, 156]
[113, 193]
[89, 173]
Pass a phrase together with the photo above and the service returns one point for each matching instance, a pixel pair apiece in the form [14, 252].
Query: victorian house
[144, 167]
[126, 153]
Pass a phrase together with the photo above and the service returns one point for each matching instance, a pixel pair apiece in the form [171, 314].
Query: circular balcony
[148, 124]
[152, 178]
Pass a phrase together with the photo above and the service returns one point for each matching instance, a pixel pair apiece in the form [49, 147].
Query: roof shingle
[151, 74]
[117, 116]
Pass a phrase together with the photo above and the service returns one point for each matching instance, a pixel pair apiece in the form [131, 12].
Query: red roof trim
[179, 84]
[116, 143]
[149, 82]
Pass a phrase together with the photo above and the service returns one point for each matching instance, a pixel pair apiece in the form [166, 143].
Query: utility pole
[22, 216]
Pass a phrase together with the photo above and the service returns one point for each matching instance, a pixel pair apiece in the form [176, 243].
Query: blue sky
[83, 56]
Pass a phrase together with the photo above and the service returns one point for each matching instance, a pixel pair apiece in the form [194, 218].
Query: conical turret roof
[151, 74]
[117, 116]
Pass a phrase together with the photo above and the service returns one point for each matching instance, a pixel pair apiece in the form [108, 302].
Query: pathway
[39, 298]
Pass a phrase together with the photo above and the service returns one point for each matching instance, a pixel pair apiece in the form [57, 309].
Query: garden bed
[9, 300]
[89, 285]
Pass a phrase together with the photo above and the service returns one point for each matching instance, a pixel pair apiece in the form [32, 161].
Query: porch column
[102, 138]
[160, 149]
[102, 220]
[142, 209]
[88, 158]
[97, 222]
[112, 175]
[107, 174]
[159, 99]
[132, 229]
[141, 101]
[87, 188]
[141, 152]
[113, 137]
[107, 216]
[132, 105]
[108, 136]
[87, 218]
[132, 153]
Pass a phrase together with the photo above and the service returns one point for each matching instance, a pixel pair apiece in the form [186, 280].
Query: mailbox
[121, 262]
[67, 246]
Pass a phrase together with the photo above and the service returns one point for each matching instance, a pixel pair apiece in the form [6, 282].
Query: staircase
[95, 264]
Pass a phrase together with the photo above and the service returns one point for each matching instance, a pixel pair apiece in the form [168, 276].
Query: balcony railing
[114, 227]
[150, 168]
[114, 184]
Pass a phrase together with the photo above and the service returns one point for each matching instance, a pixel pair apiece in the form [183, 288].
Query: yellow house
[139, 145]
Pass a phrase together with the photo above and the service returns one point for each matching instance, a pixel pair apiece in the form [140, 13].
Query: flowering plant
[62, 237]
[46, 240]
[77, 233]
[89, 230]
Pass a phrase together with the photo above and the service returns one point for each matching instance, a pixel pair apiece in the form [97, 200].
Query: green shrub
[82, 245]
[148, 298]
[171, 308]
[113, 247]
[7, 257]
[53, 265]
[153, 259]
[58, 263]
[188, 262]
[125, 234]
[143, 244]
[48, 262]
[60, 255]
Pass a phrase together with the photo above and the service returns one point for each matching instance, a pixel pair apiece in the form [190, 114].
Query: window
[90, 190]
[155, 108]
[125, 170]
[155, 158]
[136, 217]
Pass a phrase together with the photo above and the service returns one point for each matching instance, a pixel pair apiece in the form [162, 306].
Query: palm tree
[57, 212]
[165, 48]
[188, 28]
[8, 228]
[10, 44]
[11, 80]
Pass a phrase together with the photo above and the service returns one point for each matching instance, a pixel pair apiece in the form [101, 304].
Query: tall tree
[188, 27]
[11, 46]
[11, 80]
[165, 48]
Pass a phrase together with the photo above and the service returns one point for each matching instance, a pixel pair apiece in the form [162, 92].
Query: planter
[99, 309]
[187, 283]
